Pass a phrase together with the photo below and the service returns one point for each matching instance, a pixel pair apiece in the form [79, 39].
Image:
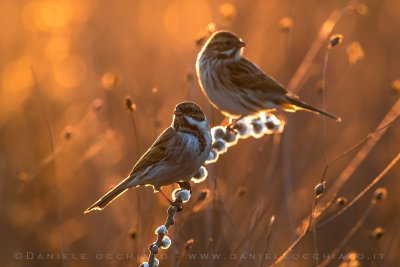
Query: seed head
[109, 80]
[319, 189]
[203, 195]
[220, 146]
[183, 194]
[218, 132]
[132, 233]
[362, 9]
[285, 24]
[154, 248]
[67, 132]
[161, 230]
[242, 129]
[166, 242]
[355, 52]
[97, 104]
[228, 13]
[396, 86]
[200, 175]
[129, 104]
[189, 244]
[341, 201]
[377, 233]
[258, 128]
[213, 157]
[202, 36]
[230, 138]
[335, 40]
[380, 194]
[241, 191]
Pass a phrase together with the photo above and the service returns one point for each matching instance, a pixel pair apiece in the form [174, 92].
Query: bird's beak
[177, 112]
[241, 44]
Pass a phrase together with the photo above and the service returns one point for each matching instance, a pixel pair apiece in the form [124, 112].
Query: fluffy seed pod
[273, 124]
[230, 137]
[258, 128]
[183, 194]
[217, 132]
[213, 157]
[166, 242]
[161, 230]
[242, 129]
[220, 146]
[269, 123]
[153, 248]
[200, 175]
[156, 262]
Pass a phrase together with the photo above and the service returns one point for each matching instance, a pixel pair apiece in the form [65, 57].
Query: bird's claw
[178, 204]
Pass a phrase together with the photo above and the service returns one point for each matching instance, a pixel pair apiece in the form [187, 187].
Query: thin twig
[53, 165]
[269, 231]
[325, 30]
[369, 186]
[362, 193]
[348, 235]
[172, 210]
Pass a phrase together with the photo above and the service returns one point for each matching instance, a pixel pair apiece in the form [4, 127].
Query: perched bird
[238, 87]
[175, 156]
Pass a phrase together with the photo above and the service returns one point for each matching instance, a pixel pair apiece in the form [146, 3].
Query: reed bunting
[238, 87]
[175, 156]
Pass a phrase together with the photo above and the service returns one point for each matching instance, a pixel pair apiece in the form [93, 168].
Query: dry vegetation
[69, 132]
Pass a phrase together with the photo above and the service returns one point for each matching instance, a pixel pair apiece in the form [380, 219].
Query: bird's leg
[165, 196]
[176, 203]
[232, 122]
[186, 185]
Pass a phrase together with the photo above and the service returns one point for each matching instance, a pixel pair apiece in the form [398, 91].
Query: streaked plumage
[238, 87]
[175, 156]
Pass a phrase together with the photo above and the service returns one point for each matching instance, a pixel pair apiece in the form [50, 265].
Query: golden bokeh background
[71, 63]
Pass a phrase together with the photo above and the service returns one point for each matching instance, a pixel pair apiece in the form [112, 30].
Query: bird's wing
[245, 74]
[156, 152]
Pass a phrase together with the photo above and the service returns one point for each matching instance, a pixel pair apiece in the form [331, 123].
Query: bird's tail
[111, 195]
[297, 104]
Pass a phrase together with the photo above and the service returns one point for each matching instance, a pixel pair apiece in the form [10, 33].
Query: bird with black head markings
[175, 156]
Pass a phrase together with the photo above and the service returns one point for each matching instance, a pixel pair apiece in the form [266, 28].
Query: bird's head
[189, 115]
[224, 45]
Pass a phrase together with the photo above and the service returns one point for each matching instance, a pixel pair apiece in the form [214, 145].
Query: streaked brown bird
[238, 87]
[175, 156]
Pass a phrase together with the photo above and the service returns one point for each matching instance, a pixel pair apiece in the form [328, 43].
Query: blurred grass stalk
[53, 165]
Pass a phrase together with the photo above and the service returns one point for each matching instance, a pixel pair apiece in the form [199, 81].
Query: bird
[238, 87]
[175, 156]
